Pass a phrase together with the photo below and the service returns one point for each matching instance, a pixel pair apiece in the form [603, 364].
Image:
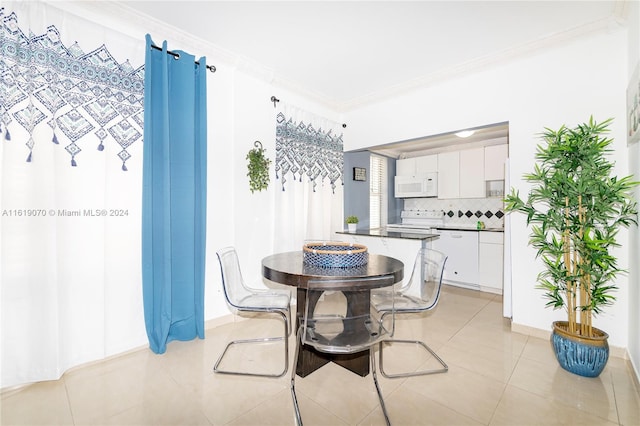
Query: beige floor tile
[411, 408]
[539, 350]
[460, 307]
[164, 406]
[43, 403]
[314, 414]
[490, 316]
[278, 411]
[224, 398]
[592, 395]
[496, 377]
[521, 408]
[433, 329]
[339, 391]
[626, 392]
[100, 391]
[484, 360]
[497, 338]
[461, 390]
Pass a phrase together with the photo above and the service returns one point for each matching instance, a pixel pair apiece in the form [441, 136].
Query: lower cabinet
[461, 248]
[475, 258]
[491, 254]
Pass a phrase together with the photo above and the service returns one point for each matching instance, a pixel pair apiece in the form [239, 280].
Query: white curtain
[70, 192]
[309, 169]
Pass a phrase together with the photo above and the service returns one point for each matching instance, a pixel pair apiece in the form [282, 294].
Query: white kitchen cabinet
[461, 247]
[426, 164]
[405, 167]
[461, 174]
[494, 159]
[417, 165]
[449, 175]
[491, 261]
[472, 173]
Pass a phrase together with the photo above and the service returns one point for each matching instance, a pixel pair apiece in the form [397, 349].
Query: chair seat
[384, 301]
[273, 299]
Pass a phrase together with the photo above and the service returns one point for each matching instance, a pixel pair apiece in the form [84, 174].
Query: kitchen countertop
[381, 232]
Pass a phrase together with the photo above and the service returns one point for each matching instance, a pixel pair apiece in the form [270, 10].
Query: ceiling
[347, 53]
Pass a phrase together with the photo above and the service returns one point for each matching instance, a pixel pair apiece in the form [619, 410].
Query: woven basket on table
[335, 255]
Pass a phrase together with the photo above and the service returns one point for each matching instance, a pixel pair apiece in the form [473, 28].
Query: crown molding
[123, 18]
[127, 20]
[606, 25]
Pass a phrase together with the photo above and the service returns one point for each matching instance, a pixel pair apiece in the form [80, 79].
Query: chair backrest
[426, 278]
[235, 290]
[339, 318]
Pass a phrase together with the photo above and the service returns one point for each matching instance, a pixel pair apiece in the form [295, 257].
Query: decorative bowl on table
[334, 255]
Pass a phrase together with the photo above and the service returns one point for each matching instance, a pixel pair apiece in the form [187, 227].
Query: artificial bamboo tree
[575, 210]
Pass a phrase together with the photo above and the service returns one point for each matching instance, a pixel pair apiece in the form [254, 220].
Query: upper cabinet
[461, 174]
[449, 175]
[467, 173]
[426, 164]
[494, 158]
[417, 165]
[472, 173]
[406, 167]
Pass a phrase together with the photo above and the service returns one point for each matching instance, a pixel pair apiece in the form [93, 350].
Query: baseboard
[614, 351]
[635, 373]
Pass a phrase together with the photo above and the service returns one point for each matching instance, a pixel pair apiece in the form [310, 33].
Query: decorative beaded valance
[83, 97]
[303, 149]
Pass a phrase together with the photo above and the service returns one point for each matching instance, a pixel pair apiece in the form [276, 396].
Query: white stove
[418, 221]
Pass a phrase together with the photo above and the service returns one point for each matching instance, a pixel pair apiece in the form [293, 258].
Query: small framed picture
[360, 173]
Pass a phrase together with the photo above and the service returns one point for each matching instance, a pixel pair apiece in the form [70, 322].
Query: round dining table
[289, 268]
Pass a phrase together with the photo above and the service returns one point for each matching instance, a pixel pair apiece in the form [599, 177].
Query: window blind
[377, 191]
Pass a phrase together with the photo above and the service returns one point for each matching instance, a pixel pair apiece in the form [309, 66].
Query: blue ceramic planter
[585, 357]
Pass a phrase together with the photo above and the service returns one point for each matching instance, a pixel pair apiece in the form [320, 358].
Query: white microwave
[416, 186]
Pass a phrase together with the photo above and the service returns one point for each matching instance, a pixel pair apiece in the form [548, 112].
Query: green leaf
[572, 164]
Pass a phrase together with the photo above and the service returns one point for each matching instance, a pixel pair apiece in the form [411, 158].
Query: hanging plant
[258, 168]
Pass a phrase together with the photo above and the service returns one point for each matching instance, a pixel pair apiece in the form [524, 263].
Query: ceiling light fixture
[465, 133]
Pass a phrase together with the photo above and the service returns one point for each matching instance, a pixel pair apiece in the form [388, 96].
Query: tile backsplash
[463, 211]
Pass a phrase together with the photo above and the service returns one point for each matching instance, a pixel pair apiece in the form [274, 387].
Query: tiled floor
[495, 378]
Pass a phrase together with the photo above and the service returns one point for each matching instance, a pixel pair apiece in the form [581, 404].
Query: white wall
[634, 167]
[563, 85]
[239, 113]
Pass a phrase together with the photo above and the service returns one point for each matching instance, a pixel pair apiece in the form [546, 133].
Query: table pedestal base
[310, 359]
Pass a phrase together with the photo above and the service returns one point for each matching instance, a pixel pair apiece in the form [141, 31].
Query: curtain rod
[276, 100]
[211, 68]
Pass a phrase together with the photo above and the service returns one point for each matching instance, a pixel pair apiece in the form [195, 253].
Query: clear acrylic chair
[418, 294]
[338, 319]
[241, 298]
